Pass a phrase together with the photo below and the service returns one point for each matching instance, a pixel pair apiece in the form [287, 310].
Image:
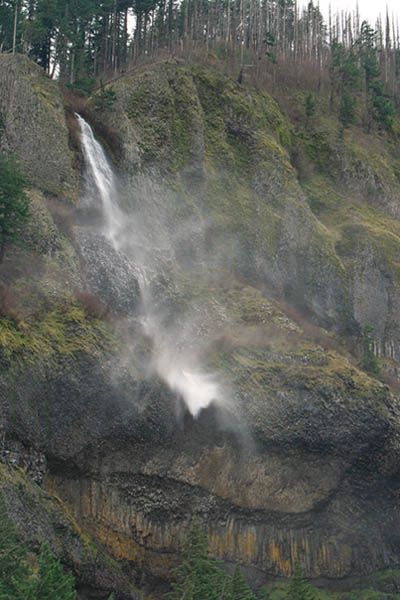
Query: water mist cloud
[197, 389]
[147, 242]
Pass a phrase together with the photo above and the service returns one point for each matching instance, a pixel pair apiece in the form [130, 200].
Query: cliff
[285, 248]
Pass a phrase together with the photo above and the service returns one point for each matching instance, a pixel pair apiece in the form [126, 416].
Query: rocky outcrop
[252, 254]
[39, 518]
[108, 274]
[32, 126]
[178, 124]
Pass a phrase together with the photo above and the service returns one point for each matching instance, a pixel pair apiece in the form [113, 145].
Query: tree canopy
[201, 577]
[18, 580]
[86, 42]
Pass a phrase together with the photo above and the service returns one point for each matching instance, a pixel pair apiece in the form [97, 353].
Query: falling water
[176, 368]
[101, 177]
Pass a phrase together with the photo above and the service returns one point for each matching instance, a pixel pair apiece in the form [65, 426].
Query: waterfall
[102, 181]
[172, 359]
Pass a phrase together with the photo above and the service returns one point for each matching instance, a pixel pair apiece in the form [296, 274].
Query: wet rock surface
[302, 463]
[109, 275]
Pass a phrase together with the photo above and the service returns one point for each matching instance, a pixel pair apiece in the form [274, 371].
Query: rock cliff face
[285, 246]
[32, 126]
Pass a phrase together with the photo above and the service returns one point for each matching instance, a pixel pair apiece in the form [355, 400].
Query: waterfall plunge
[101, 177]
[196, 388]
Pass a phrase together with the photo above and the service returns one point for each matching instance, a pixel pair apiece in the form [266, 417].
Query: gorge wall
[273, 246]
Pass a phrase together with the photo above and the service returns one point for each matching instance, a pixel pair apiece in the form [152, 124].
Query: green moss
[240, 125]
[369, 236]
[322, 196]
[173, 106]
[47, 96]
[64, 329]
[279, 591]
[163, 105]
[47, 518]
[307, 367]
[355, 227]
[369, 157]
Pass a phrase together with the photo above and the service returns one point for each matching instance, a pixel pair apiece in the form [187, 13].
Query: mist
[152, 244]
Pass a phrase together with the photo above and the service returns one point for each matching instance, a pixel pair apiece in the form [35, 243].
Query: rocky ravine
[307, 466]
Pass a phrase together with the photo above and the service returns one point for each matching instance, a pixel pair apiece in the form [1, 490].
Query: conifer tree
[14, 204]
[369, 362]
[14, 573]
[299, 589]
[309, 106]
[239, 589]
[347, 109]
[52, 583]
[199, 577]
[17, 581]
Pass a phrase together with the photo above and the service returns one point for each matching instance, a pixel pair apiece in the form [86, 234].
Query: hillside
[271, 244]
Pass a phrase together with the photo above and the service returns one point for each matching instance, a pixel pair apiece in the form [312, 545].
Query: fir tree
[14, 573]
[105, 99]
[52, 583]
[14, 204]
[347, 109]
[239, 589]
[199, 577]
[17, 581]
[309, 106]
[384, 109]
[369, 362]
[299, 589]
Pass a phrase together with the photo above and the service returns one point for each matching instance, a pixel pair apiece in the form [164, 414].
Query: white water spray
[101, 178]
[177, 368]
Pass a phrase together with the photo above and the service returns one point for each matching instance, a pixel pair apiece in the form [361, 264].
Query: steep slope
[268, 254]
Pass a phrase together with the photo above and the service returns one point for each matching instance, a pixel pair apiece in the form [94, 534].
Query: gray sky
[369, 9]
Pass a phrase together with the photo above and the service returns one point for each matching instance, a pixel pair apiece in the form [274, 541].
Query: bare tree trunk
[15, 27]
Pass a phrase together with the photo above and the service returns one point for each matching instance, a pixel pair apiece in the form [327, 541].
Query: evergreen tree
[347, 109]
[369, 362]
[309, 106]
[17, 581]
[105, 99]
[345, 81]
[14, 204]
[199, 577]
[239, 590]
[299, 589]
[384, 109]
[51, 582]
[14, 573]
[377, 102]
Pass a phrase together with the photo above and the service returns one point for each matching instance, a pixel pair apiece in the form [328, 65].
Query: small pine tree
[369, 362]
[14, 573]
[384, 109]
[239, 590]
[52, 583]
[199, 577]
[309, 106]
[105, 99]
[14, 204]
[299, 589]
[347, 109]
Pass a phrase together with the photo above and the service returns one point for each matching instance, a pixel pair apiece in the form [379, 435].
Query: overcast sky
[369, 9]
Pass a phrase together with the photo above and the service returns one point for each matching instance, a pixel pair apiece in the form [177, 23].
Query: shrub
[8, 303]
[14, 203]
[369, 362]
[18, 581]
[105, 99]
